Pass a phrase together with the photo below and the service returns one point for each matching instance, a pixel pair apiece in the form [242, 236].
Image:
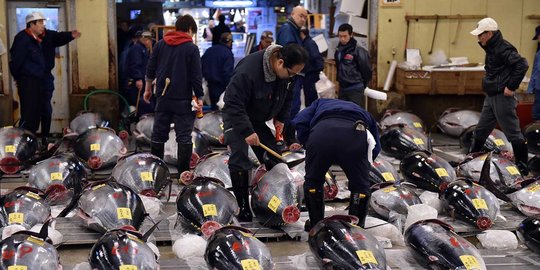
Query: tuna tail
[150, 231]
[487, 182]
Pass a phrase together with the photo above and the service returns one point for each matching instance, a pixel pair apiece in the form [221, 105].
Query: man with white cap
[505, 70]
[32, 60]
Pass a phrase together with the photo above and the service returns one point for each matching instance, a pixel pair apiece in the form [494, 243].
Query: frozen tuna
[382, 171]
[211, 127]
[390, 200]
[23, 206]
[144, 173]
[338, 243]
[274, 198]
[236, 248]
[201, 147]
[17, 146]
[143, 128]
[205, 206]
[99, 148]
[398, 141]
[393, 117]
[426, 170]
[435, 245]
[86, 120]
[455, 121]
[527, 199]
[496, 142]
[528, 232]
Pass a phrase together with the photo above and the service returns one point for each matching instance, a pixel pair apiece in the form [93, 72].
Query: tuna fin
[44, 232]
[429, 143]
[150, 231]
[170, 189]
[71, 205]
[487, 182]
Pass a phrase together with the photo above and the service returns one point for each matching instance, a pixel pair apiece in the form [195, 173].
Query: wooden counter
[461, 81]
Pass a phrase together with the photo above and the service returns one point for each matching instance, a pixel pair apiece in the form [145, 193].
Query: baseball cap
[486, 24]
[267, 34]
[144, 34]
[34, 16]
[537, 33]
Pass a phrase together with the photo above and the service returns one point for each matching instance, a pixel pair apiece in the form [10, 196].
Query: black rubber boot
[476, 145]
[240, 182]
[358, 206]
[314, 199]
[158, 149]
[184, 157]
[521, 156]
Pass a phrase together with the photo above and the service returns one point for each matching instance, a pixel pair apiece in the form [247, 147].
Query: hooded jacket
[504, 66]
[353, 69]
[177, 58]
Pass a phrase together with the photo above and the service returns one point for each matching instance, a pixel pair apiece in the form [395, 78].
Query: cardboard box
[352, 7]
[359, 24]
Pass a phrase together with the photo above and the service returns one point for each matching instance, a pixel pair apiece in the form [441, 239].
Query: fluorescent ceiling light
[232, 3]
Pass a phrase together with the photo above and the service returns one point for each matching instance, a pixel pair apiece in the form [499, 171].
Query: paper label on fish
[15, 218]
[470, 262]
[479, 204]
[9, 148]
[95, 147]
[33, 195]
[418, 141]
[388, 176]
[17, 267]
[123, 213]
[366, 256]
[147, 177]
[417, 124]
[499, 142]
[209, 210]
[533, 188]
[250, 264]
[389, 189]
[98, 187]
[56, 176]
[35, 240]
[134, 238]
[128, 267]
[274, 203]
[441, 172]
[512, 170]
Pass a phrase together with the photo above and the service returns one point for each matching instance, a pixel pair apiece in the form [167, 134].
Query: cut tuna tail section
[486, 181]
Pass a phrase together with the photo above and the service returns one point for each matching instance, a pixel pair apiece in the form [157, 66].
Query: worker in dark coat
[175, 64]
[217, 67]
[219, 30]
[136, 62]
[259, 91]
[32, 60]
[338, 132]
[267, 37]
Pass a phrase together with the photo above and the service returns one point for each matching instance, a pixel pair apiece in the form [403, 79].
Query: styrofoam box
[353, 7]
[322, 44]
[359, 24]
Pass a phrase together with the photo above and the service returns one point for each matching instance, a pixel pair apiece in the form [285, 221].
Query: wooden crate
[413, 81]
[457, 82]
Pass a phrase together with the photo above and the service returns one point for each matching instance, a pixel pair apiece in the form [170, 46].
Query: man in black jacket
[353, 68]
[217, 68]
[32, 60]
[260, 90]
[219, 30]
[175, 64]
[505, 69]
[136, 62]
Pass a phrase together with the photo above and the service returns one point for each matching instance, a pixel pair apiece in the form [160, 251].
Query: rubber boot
[184, 153]
[521, 156]
[358, 206]
[240, 182]
[476, 145]
[158, 149]
[314, 199]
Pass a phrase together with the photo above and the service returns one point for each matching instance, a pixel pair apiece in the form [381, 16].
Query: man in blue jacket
[217, 67]
[259, 91]
[290, 30]
[32, 60]
[175, 64]
[337, 132]
[353, 67]
[136, 62]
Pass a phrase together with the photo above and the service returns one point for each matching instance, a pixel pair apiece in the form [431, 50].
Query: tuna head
[398, 141]
[205, 206]
[527, 199]
[24, 206]
[144, 173]
[211, 127]
[61, 177]
[236, 248]
[496, 142]
[122, 249]
[435, 245]
[455, 121]
[427, 171]
[393, 117]
[471, 203]
[143, 128]
[86, 120]
[528, 232]
[274, 199]
[339, 244]
[215, 166]
[109, 205]
[99, 148]
[390, 198]
[17, 146]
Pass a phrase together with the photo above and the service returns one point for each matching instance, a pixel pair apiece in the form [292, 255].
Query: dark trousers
[310, 93]
[35, 102]
[336, 141]
[239, 159]
[536, 105]
[501, 109]
[177, 112]
[356, 96]
[214, 91]
[144, 108]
